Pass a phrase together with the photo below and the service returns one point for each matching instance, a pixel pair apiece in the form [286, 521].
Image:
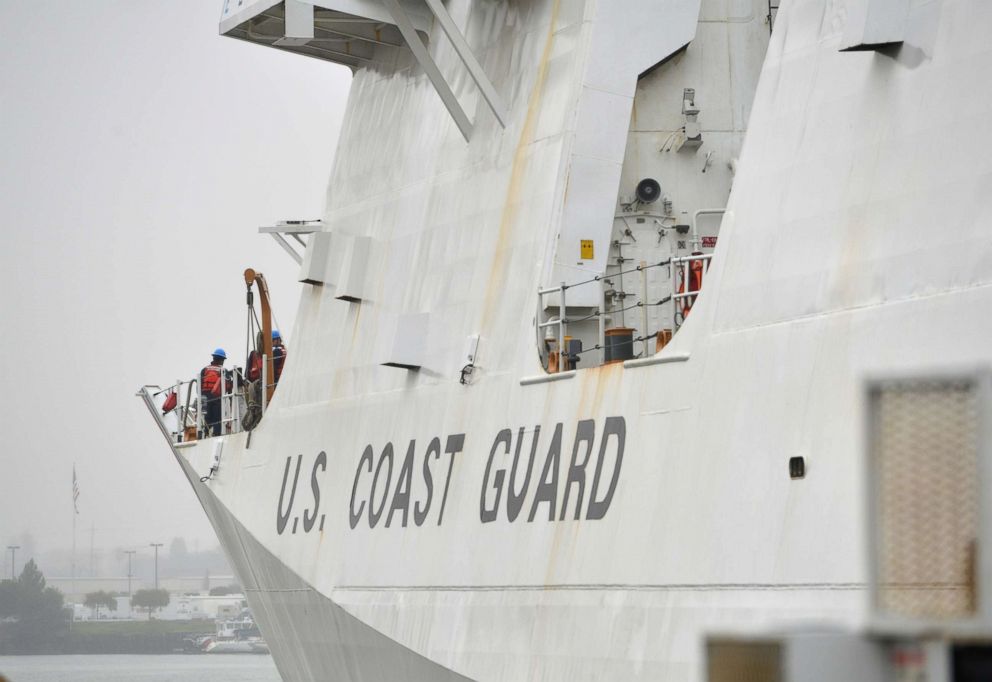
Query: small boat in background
[237, 635]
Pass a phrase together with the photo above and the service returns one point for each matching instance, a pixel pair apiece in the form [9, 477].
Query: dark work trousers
[211, 410]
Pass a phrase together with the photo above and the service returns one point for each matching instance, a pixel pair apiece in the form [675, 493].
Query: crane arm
[257, 278]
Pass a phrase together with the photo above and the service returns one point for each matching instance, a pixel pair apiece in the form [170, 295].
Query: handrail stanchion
[234, 400]
[537, 318]
[223, 392]
[265, 381]
[562, 351]
[602, 322]
[644, 308]
[177, 436]
[181, 410]
[196, 413]
[230, 406]
[541, 326]
[696, 241]
[684, 263]
[240, 379]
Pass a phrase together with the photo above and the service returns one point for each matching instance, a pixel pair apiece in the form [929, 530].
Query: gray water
[178, 668]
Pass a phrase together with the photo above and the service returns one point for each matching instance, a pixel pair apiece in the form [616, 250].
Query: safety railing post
[223, 394]
[235, 403]
[537, 318]
[562, 351]
[176, 436]
[182, 409]
[696, 241]
[644, 307]
[683, 265]
[602, 322]
[241, 400]
[230, 405]
[544, 327]
[194, 383]
[265, 381]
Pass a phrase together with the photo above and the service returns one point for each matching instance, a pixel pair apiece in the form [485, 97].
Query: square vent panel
[925, 474]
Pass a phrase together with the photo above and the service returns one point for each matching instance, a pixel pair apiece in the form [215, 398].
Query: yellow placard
[586, 249]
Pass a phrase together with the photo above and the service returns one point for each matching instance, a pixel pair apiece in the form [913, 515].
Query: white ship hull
[658, 505]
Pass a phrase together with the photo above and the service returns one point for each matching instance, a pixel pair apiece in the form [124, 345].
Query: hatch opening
[640, 307]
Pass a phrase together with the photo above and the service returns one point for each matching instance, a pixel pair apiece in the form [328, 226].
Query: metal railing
[187, 421]
[561, 322]
[683, 295]
[686, 274]
[567, 358]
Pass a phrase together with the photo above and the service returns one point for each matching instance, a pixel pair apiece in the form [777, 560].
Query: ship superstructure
[578, 369]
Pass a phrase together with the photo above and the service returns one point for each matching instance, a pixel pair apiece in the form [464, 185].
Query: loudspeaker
[648, 191]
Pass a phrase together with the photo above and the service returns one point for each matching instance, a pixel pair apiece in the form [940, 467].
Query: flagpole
[75, 513]
[74, 550]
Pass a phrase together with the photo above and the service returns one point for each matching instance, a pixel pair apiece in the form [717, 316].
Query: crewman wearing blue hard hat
[215, 383]
[278, 355]
[278, 358]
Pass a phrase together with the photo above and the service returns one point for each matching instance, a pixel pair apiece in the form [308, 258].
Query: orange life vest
[255, 363]
[254, 366]
[210, 379]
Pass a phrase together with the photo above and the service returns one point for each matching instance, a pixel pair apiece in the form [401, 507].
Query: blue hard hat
[275, 334]
[219, 353]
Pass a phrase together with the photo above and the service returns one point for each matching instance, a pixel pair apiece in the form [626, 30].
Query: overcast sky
[139, 152]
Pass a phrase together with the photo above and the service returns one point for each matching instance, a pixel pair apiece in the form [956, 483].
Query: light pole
[156, 545]
[13, 550]
[130, 553]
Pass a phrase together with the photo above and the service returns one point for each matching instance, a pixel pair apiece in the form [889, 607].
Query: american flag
[75, 490]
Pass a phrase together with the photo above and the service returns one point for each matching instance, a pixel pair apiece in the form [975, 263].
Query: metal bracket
[427, 63]
[292, 228]
[468, 59]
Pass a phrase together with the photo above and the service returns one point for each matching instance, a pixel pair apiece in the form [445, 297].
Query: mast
[75, 513]
[73, 572]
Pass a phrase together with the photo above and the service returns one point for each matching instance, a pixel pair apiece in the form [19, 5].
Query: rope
[598, 347]
[257, 327]
[639, 304]
[622, 272]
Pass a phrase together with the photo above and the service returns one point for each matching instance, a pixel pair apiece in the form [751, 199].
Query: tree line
[32, 615]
